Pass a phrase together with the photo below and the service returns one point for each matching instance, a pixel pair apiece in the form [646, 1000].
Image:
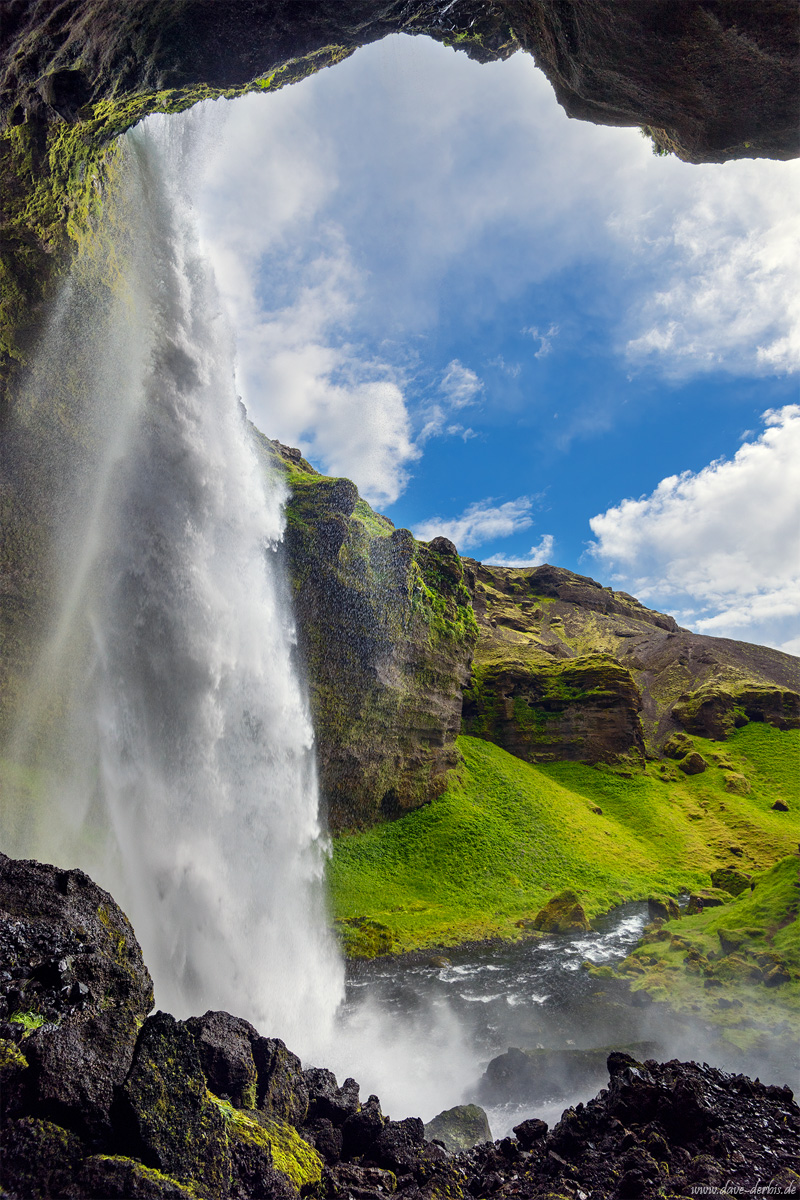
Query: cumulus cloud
[725, 292]
[537, 555]
[479, 523]
[723, 542]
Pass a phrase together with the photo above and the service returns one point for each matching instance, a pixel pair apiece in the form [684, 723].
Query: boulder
[738, 784]
[225, 1047]
[460, 1128]
[663, 908]
[693, 764]
[780, 806]
[530, 1131]
[282, 1091]
[73, 995]
[563, 914]
[165, 1113]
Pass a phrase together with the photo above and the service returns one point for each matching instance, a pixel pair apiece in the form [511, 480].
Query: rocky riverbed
[100, 1099]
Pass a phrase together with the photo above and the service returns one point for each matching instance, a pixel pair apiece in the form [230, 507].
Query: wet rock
[563, 914]
[361, 1128]
[530, 1131]
[398, 1146]
[117, 1178]
[325, 1097]
[39, 1158]
[460, 1127]
[282, 1091]
[326, 1138]
[76, 992]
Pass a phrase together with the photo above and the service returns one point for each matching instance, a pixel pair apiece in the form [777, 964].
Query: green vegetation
[290, 1154]
[31, 1021]
[737, 965]
[483, 859]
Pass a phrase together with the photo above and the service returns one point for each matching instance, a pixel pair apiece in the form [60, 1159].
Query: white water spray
[185, 779]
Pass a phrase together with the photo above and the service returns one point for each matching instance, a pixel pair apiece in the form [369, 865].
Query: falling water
[184, 776]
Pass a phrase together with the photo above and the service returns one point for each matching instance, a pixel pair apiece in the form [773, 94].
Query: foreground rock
[96, 1108]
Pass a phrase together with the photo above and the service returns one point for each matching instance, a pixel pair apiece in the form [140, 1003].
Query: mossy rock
[730, 879]
[693, 764]
[563, 914]
[278, 1144]
[113, 1177]
[663, 908]
[166, 1112]
[678, 745]
[39, 1158]
[738, 784]
[460, 1128]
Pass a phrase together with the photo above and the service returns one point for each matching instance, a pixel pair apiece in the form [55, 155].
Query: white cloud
[460, 385]
[537, 555]
[545, 340]
[726, 289]
[479, 523]
[724, 542]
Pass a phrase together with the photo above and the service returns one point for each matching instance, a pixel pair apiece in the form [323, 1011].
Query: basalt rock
[563, 914]
[73, 993]
[169, 1135]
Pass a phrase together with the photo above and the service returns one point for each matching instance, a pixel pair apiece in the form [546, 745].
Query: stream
[452, 1011]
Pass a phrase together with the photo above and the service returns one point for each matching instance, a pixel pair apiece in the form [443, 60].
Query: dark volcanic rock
[165, 1113]
[73, 992]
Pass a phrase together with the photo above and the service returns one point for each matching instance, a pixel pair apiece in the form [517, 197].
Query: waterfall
[180, 770]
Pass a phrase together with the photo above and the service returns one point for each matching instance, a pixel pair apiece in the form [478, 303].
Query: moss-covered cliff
[710, 80]
[386, 633]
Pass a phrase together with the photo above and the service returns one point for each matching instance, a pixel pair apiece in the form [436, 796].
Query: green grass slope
[482, 859]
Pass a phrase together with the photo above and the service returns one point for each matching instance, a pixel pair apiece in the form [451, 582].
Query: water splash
[184, 777]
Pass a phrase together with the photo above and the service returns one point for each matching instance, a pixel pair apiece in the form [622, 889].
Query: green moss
[11, 1057]
[139, 1174]
[442, 875]
[290, 1154]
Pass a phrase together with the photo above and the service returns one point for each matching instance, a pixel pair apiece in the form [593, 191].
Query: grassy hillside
[482, 859]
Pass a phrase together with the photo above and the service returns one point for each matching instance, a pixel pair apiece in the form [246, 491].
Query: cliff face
[710, 80]
[386, 632]
[567, 669]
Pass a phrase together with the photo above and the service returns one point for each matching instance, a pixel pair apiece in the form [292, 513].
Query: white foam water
[184, 781]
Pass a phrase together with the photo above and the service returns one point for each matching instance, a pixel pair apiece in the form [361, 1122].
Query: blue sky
[525, 332]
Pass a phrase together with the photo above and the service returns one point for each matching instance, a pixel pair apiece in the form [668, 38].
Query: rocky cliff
[386, 632]
[100, 1100]
[709, 80]
[566, 669]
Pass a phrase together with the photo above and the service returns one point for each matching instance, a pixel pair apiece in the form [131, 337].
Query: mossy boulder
[663, 908]
[224, 1044]
[563, 914]
[693, 764]
[114, 1177]
[738, 784]
[39, 1158]
[460, 1128]
[731, 879]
